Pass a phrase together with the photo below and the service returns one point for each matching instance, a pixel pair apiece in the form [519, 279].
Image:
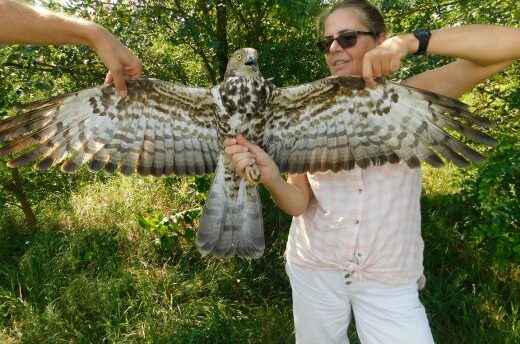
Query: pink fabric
[366, 222]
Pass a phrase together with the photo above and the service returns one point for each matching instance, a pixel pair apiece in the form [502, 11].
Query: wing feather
[433, 134]
[132, 145]
[189, 155]
[159, 156]
[169, 147]
[336, 123]
[206, 156]
[159, 128]
[181, 162]
[146, 159]
[99, 160]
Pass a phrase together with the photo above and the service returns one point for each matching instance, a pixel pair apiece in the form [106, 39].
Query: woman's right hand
[291, 196]
[243, 153]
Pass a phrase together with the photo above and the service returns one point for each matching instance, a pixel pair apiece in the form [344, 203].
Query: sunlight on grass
[116, 203]
[439, 180]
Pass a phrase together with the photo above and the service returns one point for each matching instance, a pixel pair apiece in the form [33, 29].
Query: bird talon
[253, 174]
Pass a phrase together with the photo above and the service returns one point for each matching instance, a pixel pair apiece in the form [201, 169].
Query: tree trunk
[16, 188]
[222, 47]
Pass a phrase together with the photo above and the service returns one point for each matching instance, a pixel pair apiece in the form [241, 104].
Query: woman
[355, 240]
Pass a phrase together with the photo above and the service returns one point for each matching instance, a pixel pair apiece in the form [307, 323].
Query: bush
[493, 216]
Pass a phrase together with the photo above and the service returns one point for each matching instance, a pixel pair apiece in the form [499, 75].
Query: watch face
[421, 33]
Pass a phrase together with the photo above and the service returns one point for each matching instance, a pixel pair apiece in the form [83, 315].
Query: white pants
[322, 303]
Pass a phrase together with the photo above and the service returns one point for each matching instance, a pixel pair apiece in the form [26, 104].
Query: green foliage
[172, 234]
[494, 199]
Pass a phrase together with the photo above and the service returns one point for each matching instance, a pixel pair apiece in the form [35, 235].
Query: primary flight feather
[161, 128]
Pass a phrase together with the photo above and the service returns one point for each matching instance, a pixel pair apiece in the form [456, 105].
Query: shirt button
[348, 283]
[360, 190]
[347, 275]
[357, 222]
[359, 255]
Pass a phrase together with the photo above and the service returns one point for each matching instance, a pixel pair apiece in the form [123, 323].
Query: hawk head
[243, 62]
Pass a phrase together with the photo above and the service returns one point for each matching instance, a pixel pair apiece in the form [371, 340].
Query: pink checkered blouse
[366, 222]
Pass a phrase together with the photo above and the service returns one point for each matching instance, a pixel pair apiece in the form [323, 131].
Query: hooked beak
[251, 62]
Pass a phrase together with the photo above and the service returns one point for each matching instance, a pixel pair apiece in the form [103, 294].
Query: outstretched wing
[159, 128]
[337, 123]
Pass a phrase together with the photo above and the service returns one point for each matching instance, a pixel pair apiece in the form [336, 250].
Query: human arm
[23, 24]
[481, 51]
[292, 196]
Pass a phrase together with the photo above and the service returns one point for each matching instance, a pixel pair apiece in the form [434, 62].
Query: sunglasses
[345, 40]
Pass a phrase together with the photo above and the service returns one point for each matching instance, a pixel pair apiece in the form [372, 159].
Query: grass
[91, 274]
[468, 300]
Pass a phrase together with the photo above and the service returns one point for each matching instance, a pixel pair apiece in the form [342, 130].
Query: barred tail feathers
[231, 223]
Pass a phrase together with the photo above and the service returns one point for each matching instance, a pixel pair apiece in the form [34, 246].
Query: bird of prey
[162, 128]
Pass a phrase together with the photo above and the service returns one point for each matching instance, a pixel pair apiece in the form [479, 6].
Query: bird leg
[253, 174]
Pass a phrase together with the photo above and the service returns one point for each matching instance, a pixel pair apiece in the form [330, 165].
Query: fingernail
[122, 94]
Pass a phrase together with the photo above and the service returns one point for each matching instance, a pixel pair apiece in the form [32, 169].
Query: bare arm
[292, 196]
[23, 24]
[482, 51]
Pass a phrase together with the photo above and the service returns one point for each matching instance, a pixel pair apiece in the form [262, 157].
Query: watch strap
[423, 36]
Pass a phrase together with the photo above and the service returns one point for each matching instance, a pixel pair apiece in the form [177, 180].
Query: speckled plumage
[162, 129]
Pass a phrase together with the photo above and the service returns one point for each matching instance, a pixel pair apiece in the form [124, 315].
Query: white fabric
[323, 301]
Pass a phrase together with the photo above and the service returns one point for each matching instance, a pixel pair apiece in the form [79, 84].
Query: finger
[120, 82]
[133, 74]
[229, 141]
[241, 140]
[260, 156]
[242, 164]
[395, 64]
[235, 149]
[134, 68]
[109, 78]
[138, 70]
[376, 67]
[242, 156]
[367, 72]
[385, 66]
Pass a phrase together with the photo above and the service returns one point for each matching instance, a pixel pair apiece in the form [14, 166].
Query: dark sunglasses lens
[324, 45]
[347, 40]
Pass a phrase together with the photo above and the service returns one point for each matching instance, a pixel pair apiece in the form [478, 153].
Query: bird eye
[239, 57]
